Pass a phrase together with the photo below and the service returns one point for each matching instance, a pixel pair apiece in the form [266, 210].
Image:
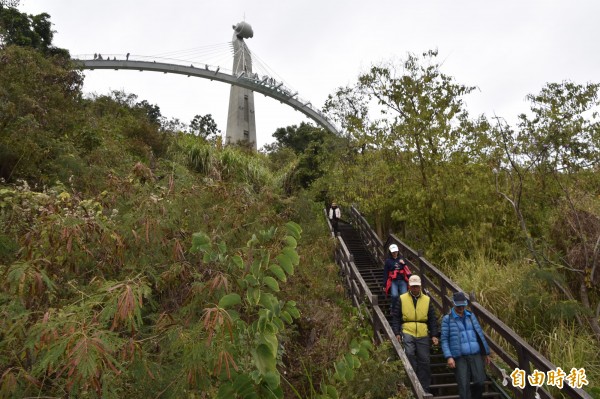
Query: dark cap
[459, 299]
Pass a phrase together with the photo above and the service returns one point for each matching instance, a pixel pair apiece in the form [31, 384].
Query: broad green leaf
[271, 328]
[278, 272]
[226, 391]
[222, 247]
[286, 317]
[262, 324]
[272, 379]
[230, 300]
[332, 392]
[233, 314]
[264, 359]
[349, 374]
[276, 308]
[291, 241]
[293, 229]
[366, 344]
[363, 353]
[293, 311]
[253, 295]
[251, 280]
[268, 392]
[255, 268]
[271, 340]
[238, 261]
[200, 242]
[277, 324]
[256, 376]
[292, 255]
[266, 259]
[243, 386]
[340, 371]
[271, 283]
[268, 301]
[286, 264]
[267, 235]
[252, 241]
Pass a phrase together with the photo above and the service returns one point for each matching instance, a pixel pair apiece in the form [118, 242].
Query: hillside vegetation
[510, 212]
[141, 258]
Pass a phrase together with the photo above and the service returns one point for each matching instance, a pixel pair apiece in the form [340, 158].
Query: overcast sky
[508, 48]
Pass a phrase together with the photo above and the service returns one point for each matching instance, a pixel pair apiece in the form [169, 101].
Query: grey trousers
[418, 354]
[470, 369]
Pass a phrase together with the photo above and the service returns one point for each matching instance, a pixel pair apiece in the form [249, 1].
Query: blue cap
[460, 299]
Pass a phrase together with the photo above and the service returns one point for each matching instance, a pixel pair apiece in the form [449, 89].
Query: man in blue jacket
[465, 348]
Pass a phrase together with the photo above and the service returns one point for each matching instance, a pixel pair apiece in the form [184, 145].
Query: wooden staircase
[443, 383]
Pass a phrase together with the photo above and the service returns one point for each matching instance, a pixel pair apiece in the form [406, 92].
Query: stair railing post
[352, 274]
[421, 263]
[375, 324]
[523, 360]
[445, 301]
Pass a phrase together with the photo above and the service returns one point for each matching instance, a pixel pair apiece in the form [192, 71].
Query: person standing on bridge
[414, 322]
[395, 276]
[334, 215]
[465, 348]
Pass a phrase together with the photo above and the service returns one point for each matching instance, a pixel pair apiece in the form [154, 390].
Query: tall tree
[152, 111]
[21, 29]
[313, 146]
[549, 176]
[423, 118]
[204, 126]
[38, 102]
[9, 3]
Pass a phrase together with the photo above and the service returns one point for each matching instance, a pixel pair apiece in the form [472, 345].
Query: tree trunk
[592, 317]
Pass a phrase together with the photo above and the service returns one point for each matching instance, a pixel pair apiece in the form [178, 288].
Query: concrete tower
[241, 125]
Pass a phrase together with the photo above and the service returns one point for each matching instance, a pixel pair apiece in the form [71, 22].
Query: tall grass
[531, 309]
[229, 164]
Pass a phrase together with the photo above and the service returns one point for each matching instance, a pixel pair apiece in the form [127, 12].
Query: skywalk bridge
[263, 84]
[360, 254]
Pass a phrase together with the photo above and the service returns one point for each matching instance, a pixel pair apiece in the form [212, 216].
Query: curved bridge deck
[360, 255]
[264, 85]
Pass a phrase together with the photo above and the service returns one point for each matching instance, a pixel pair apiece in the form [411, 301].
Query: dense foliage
[140, 260]
[465, 189]
[33, 31]
[139, 257]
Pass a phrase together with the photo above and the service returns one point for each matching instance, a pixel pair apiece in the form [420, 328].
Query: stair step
[453, 385]
[485, 395]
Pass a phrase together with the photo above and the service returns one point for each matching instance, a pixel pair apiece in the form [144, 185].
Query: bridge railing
[513, 351]
[145, 58]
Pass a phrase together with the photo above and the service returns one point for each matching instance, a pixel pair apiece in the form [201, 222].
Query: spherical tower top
[243, 30]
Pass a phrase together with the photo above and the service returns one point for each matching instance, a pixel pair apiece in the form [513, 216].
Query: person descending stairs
[443, 381]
